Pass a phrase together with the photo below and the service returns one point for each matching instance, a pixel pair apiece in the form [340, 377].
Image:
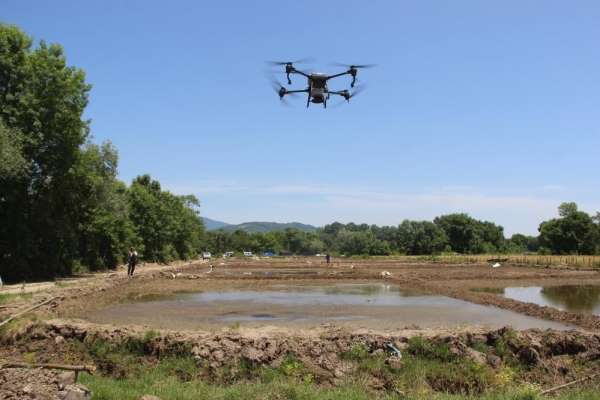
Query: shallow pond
[375, 306]
[574, 298]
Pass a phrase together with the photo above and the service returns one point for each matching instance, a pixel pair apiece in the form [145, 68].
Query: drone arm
[338, 75]
[342, 93]
[296, 91]
[297, 71]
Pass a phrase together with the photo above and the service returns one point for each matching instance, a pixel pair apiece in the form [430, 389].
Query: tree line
[62, 208]
[574, 232]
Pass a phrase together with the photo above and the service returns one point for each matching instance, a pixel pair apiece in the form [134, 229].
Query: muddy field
[188, 302]
[473, 283]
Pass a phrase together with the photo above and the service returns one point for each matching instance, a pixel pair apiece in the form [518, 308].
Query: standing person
[328, 258]
[132, 260]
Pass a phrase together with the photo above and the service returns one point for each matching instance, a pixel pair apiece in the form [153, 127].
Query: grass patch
[489, 290]
[18, 325]
[421, 347]
[168, 387]
[429, 370]
[6, 298]
[166, 382]
[357, 352]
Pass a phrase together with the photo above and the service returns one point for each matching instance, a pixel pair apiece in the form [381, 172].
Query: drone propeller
[350, 66]
[289, 67]
[300, 61]
[347, 95]
[353, 69]
[280, 90]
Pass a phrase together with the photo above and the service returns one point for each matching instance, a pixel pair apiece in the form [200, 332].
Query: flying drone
[317, 90]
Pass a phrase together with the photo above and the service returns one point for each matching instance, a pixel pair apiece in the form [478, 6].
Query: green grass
[6, 298]
[429, 370]
[165, 383]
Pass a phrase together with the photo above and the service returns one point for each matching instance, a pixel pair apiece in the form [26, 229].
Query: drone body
[317, 90]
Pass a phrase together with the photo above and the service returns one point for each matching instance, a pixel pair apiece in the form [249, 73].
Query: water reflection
[375, 305]
[574, 298]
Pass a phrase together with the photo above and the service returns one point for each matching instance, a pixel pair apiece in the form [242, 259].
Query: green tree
[468, 235]
[41, 104]
[168, 226]
[12, 162]
[106, 230]
[519, 243]
[421, 237]
[573, 233]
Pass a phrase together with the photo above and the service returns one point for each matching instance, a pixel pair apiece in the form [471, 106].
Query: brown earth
[549, 358]
[318, 348]
[453, 280]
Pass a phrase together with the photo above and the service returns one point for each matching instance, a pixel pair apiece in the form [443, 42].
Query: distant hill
[257, 226]
[212, 224]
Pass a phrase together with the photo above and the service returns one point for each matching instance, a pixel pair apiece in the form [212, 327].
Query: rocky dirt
[40, 384]
[550, 356]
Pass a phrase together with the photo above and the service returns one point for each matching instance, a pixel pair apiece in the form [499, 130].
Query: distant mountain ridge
[257, 226]
[212, 224]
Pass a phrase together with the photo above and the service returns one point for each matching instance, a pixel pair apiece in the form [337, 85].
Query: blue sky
[490, 108]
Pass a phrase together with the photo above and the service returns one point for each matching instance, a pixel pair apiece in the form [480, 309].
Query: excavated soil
[549, 357]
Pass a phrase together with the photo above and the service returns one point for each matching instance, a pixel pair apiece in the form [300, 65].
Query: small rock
[378, 352]
[252, 354]
[493, 360]
[475, 355]
[76, 392]
[65, 378]
[59, 339]
[529, 356]
[394, 362]
[218, 355]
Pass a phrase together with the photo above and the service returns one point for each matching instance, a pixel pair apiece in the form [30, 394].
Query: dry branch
[76, 368]
[554, 389]
[6, 321]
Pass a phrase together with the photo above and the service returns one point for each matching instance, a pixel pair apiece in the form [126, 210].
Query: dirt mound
[325, 352]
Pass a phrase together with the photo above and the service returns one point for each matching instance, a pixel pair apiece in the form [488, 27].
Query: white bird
[386, 274]
[496, 265]
[210, 270]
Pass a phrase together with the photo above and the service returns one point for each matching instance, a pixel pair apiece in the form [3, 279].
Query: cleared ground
[301, 355]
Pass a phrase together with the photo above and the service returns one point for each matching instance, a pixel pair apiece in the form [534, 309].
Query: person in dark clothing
[328, 259]
[132, 260]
